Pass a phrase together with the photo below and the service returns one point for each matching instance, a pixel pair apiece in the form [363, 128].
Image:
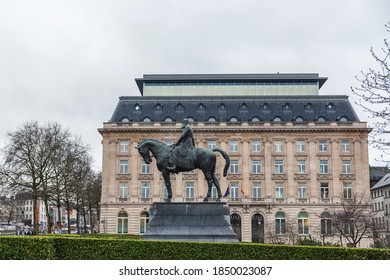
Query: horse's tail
[227, 159]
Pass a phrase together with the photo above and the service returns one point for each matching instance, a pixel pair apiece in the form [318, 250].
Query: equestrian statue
[183, 157]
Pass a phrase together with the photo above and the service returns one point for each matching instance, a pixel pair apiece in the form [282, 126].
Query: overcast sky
[69, 61]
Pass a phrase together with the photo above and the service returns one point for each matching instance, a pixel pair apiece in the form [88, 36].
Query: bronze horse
[201, 158]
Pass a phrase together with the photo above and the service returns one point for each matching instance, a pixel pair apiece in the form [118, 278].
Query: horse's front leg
[167, 182]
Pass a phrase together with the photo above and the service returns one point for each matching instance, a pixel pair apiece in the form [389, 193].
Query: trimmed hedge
[84, 248]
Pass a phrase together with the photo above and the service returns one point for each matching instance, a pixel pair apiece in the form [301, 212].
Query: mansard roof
[316, 108]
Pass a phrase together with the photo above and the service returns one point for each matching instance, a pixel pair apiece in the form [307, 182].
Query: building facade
[380, 196]
[295, 155]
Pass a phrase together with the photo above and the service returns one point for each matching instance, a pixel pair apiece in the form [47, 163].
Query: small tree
[374, 94]
[352, 220]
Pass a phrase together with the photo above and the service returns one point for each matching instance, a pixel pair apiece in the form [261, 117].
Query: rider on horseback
[182, 148]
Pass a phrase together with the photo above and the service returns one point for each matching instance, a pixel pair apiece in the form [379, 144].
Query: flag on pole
[227, 192]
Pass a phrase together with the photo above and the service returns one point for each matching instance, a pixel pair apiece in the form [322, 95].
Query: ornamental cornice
[235, 129]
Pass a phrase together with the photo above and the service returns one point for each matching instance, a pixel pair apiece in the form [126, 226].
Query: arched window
[277, 119]
[265, 106]
[255, 119]
[298, 119]
[326, 224]
[321, 119]
[235, 221]
[280, 223]
[211, 119]
[146, 119]
[143, 222]
[125, 120]
[343, 119]
[233, 119]
[123, 222]
[168, 120]
[191, 119]
[303, 223]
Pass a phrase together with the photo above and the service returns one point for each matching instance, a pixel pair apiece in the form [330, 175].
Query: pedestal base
[203, 221]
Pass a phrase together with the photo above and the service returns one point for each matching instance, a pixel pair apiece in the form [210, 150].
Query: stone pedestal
[203, 221]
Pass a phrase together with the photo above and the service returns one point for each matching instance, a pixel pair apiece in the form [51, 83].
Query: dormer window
[211, 119]
[137, 107]
[343, 119]
[321, 119]
[265, 106]
[222, 107]
[125, 120]
[158, 107]
[201, 107]
[233, 119]
[330, 106]
[179, 107]
[168, 120]
[277, 119]
[147, 119]
[299, 119]
[255, 119]
[243, 107]
[287, 106]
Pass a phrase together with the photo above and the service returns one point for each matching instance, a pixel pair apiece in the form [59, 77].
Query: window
[123, 166]
[256, 146]
[255, 119]
[123, 189]
[168, 120]
[346, 166]
[279, 190]
[143, 222]
[326, 224]
[300, 146]
[277, 119]
[214, 192]
[278, 146]
[145, 168]
[123, 222]
[145, 190]
[147, 119]
[256, 166]
[233, 145]
[125, 120]
[123, 146]
[345, 146]
[190, 190]
[343, 119]
[303, 223]
[302, 190]
[321, 119]
[301, 166]
[211, 144]
[211, 119]
[298, 119]
[278, 166]
[256, 186]
[233, 119]
[234, 166]
[234, 190]
[324, 168]
[324, 188]
[323, 146]
[347, 190]
[165, 194]
[280, 223]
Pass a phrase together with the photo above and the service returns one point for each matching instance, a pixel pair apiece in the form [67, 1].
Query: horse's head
[144, 152]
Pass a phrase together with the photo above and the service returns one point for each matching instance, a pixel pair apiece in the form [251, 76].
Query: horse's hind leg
[209, 179]
[216, 184]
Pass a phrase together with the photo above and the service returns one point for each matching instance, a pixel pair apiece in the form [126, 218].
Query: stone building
[380, 197]
[295, 155]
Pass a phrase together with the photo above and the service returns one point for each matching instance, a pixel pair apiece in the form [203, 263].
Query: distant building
[380, 196]
[295, 155]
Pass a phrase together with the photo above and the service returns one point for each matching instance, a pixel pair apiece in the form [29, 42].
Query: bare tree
[27, 158]
[374, 94]
[352, 219]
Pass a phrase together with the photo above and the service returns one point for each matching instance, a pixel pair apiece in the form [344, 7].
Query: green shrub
[113, 248]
